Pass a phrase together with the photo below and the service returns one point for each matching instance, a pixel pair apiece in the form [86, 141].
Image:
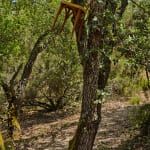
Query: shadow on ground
[138, 142]
[41, 117]
[53, 131]
[47, 131]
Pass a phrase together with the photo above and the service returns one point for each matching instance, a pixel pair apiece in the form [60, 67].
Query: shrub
[141, 119]
[144, 84]
[134, 100]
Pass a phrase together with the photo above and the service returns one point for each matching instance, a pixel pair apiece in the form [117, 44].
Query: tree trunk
[91, 112]
[90, 57]
[10, 95]
[39, 46]
[96, 69]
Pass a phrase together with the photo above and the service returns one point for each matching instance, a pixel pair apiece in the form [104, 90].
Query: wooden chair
[78, 13]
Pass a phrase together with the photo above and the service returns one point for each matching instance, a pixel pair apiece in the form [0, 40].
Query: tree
[96, 68]
[22, 53]
[135, 40]
[56, 78]
[13, 26]
[95, 47]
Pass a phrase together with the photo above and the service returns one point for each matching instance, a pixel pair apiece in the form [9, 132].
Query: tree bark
[90, 117]
[39, 46]
[91, 112]
[10, 95]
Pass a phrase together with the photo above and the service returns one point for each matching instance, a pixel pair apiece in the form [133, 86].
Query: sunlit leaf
[2, 147]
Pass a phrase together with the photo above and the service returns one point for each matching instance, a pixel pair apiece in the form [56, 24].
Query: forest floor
[52, 131]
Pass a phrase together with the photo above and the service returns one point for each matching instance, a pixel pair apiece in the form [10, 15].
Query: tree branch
[15, 75]
[39, 46]
[40, 104]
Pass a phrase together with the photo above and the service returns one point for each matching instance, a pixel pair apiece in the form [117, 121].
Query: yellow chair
[78, 13]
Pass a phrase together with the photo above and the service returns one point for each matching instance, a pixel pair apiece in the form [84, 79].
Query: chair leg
[67, 15]
[76, 21]
[80, 29]
[57, 15]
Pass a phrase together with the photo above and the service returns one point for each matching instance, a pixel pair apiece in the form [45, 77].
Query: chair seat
[74, 6]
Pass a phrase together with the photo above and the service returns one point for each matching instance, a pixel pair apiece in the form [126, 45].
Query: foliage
[123, 81]
[23, 18]
[19, 33]
[134, 100]
[131, 51]
[59, 80]
[144, 84]
[141, 119]
[134, 37]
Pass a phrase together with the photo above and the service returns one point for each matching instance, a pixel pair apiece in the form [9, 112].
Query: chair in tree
[78, 13]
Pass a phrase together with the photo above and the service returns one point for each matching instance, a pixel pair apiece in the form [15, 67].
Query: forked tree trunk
[90, 117]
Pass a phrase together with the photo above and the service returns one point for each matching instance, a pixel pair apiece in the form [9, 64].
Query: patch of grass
[141, 119]
[134, 100]
[144, 84]
[103, 147]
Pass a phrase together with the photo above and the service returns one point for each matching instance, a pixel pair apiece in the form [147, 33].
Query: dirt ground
[52, 131]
